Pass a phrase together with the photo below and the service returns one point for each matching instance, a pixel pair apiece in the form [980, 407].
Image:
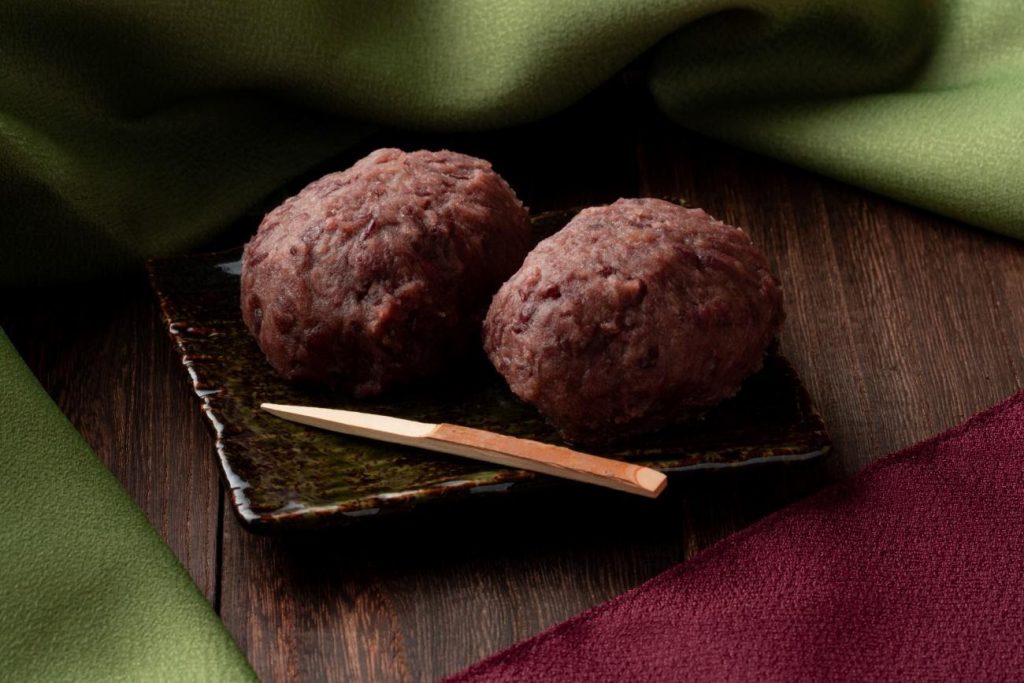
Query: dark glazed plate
[282, 475]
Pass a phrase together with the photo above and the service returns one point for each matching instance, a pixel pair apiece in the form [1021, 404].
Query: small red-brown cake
[633, 316]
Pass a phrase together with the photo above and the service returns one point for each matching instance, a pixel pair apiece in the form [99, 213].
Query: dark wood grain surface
[902, 323]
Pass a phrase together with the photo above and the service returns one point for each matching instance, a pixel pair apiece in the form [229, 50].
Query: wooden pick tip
[652, 481]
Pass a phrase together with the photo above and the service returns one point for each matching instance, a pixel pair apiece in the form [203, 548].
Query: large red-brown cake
[379, 274]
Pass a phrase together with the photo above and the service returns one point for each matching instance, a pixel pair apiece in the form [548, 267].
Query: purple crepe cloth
[913, 569]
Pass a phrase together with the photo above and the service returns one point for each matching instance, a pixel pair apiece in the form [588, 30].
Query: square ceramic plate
[283, 475]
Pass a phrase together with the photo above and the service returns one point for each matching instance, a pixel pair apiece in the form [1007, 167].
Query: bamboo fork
[481, 445]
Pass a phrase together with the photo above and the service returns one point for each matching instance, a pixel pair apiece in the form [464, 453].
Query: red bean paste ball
[633, 316]
[380, 274]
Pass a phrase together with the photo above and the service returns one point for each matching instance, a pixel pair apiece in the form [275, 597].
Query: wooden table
[902, 323]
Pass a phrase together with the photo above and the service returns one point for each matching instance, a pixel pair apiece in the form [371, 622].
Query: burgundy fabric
[913, 570]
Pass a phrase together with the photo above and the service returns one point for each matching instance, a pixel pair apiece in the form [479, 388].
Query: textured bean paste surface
[633, 316]
[380, 274]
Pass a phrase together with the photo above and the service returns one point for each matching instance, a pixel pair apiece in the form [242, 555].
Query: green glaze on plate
[283, 475]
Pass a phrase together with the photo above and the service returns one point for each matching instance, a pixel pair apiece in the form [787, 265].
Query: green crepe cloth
[133, 129]
[88, 591]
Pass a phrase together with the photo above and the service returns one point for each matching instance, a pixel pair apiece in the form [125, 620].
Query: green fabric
[134, 129]
[88, 591]
[951, 139]
[131, 129]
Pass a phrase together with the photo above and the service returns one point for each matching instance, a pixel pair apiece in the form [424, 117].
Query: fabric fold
[88, 591]
[128, 131]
